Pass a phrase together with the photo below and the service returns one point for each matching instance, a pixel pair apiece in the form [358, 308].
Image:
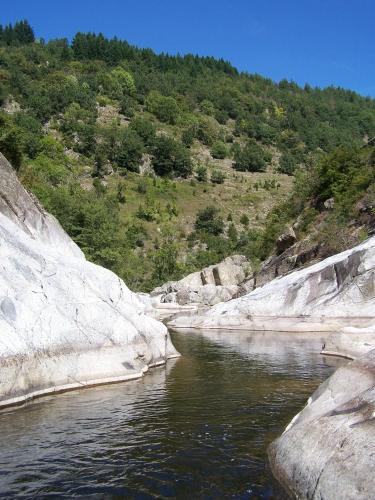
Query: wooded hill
[158, 165]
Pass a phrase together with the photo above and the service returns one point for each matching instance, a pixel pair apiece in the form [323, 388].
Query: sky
[321, 42]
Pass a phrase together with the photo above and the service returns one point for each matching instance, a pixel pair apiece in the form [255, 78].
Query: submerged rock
[64, 322]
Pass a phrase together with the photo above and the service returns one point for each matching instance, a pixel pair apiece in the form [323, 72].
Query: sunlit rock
[64, 322]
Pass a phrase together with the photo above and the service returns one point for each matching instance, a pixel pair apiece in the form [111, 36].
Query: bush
[217, 177]
[188, 136]
[244, 220]
[130, 151]
[207, 131]
[201, 173]
[166, 109]
[144, 128]
[287, 164]
[251, 158]
[219, 150]
[208, 220]
[10, 146]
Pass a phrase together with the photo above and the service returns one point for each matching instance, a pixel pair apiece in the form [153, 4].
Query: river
[197, 428]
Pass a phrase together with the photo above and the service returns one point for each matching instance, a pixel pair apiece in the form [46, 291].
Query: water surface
[198, 428]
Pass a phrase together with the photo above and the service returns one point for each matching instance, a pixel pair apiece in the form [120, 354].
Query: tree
[144, 128]
[208, 220]
[170, 157]
[287, 164]
[250, 158]
[165, 262]
[19, 34]
[165, 108]
[130, 151]
[10, 147]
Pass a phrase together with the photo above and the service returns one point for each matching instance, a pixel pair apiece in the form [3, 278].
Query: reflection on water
[198, 428]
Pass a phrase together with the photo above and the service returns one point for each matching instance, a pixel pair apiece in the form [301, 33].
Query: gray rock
[210, 286]
[329, 204]
[8, 309]
[286, 240]
[184, 297]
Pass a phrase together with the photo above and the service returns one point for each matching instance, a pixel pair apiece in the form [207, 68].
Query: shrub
[244, 220]
[217, 177]
[208, 220]
[251, 158]
[201, 173]
[170, 157]
[219, 150]
[287, 164]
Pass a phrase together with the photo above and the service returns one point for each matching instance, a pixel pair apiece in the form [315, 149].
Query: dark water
[198, 428]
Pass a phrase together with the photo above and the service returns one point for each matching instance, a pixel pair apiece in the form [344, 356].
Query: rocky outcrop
[328, 450]
[335, 293]
[64, 322]
[295, 257]
[285, 241]
[214, 284]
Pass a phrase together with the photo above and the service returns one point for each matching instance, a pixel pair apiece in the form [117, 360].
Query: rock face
[214, 284]
[335, 293]
[64, 322]
[286, 240]
[328, 449]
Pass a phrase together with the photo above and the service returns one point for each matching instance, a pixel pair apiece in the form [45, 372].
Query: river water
[197, 428]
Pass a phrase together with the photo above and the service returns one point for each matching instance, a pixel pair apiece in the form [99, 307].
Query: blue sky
[321, 42]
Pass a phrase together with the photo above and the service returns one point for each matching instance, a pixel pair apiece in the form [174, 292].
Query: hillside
[158, 165]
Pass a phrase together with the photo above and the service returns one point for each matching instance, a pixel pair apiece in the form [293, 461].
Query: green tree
[250, 158]
[170, 157]
[209, 220]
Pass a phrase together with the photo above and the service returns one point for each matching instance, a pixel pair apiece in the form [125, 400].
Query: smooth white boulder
[64, 322]
[328, 449]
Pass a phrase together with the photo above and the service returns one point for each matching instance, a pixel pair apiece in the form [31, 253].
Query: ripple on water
[198, 428]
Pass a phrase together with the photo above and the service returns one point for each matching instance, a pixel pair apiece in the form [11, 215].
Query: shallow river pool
[197, 428]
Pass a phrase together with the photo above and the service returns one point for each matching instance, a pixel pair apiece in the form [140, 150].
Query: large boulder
[328, 449]
[213, 284]
[64, 322]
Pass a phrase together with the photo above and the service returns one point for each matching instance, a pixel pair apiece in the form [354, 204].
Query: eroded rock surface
[64, 322]
[335, 293]
[328, 450]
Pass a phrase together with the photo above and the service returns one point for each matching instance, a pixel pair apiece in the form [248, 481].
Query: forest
[159, 164]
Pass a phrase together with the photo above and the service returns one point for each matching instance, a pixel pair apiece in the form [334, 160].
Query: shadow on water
[198, 428]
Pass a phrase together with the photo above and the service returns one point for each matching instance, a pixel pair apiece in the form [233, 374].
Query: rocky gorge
[328, 448]
[67, 323]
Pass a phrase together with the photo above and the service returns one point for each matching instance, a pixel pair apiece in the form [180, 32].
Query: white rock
[335, 293]
[64, 322]
[328, 449]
